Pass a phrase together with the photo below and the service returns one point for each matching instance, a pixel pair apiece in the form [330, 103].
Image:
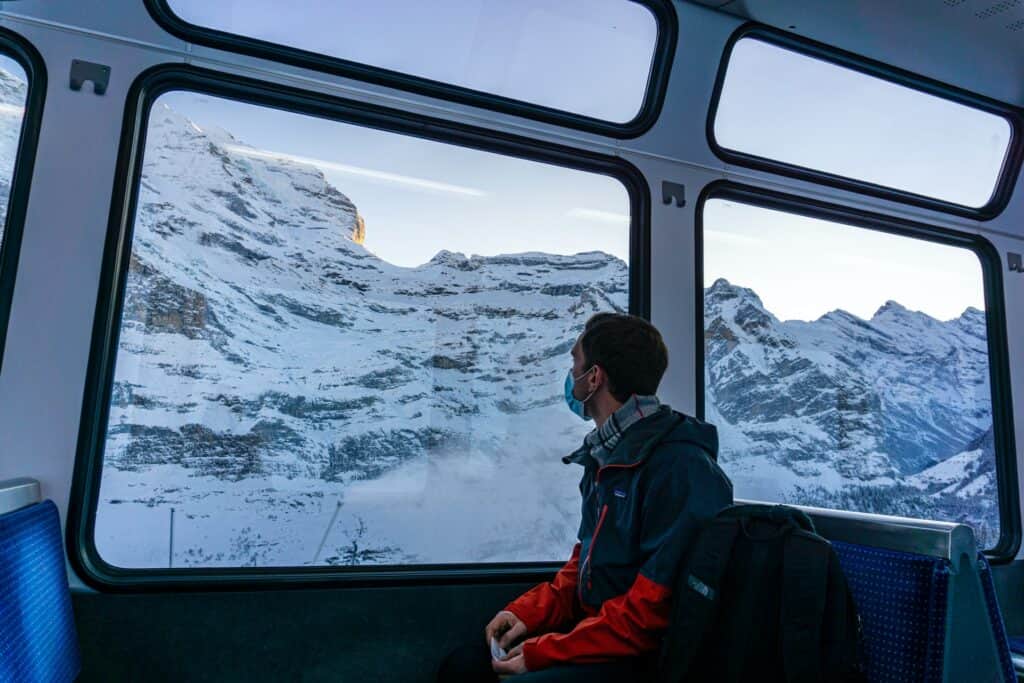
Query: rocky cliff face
[252, 309]
[359, 233]
[808, 410]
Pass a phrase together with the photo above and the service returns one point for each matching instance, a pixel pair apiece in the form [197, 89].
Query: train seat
[902, 600]
[905, 601]
[909, 578]
[38, 640]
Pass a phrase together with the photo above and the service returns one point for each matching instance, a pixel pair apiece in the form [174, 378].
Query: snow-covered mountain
[840, 406]
[295, 399]
[259, 339]
[13, 91]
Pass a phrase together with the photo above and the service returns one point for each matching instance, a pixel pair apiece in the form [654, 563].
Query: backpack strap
[697, 597]
[745, 626]
[805, 564]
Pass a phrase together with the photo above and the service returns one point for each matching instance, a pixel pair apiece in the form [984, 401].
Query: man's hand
[507, 628]
[514, 663]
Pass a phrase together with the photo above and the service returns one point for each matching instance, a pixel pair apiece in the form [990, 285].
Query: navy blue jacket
[641, 510]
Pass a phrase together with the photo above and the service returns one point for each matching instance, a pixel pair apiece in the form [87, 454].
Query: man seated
[649, 482]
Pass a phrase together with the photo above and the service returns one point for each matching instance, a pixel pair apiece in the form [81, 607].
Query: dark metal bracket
[673, 191]
[82, 71]
[1015, 262]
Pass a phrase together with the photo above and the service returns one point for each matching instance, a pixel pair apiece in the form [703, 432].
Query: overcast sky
[418, 197]
[803, 267]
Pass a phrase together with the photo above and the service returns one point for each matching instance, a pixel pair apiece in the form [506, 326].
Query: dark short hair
[629, 349]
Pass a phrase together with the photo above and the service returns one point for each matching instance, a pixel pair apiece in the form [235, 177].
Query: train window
[797, 111]
[589, 58]
[17, 139]
[847, 367]
[13, 92]
[345, 345]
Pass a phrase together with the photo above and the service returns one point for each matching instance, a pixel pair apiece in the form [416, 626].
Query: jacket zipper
[585, 567]
[590, 551]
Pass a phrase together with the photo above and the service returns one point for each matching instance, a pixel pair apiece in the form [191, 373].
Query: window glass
[789, 107]
[589, 57]
[13, 91]
[346, 346]
[848, 368]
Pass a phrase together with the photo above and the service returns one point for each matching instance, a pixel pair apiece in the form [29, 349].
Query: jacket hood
[695, 431]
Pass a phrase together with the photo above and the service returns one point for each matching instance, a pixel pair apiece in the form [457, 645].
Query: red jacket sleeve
[675, 506]
[631, 624]
[547, 606]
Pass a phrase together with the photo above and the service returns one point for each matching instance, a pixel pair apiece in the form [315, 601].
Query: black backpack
[761, 597]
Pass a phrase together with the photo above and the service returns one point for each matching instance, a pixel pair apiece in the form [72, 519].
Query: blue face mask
[575, 405]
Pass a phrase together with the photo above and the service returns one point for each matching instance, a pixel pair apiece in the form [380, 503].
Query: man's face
[577, 360]
[586, 385]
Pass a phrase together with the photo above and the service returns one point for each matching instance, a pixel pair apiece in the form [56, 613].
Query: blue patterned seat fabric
[38, 642]
[901, 598]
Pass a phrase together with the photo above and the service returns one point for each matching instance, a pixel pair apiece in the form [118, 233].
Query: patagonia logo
[619, 493]
[701, 587]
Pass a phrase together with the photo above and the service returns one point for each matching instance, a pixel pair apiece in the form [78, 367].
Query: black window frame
[84, 498]
[654, 96]
[20, 50]
[1013, 115]
[995, 322]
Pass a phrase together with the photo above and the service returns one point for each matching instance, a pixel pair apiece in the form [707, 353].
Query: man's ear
[604, 381]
